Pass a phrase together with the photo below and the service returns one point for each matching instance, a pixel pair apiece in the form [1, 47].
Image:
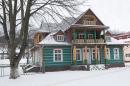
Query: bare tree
[16, 15]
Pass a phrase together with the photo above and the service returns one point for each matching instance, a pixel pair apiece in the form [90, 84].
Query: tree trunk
[14, 73]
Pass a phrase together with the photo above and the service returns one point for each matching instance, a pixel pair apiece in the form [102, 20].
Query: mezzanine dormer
[59, 36]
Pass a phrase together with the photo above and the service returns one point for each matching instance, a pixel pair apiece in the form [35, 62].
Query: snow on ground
[6, 61]
[4, 66]
[110, 77]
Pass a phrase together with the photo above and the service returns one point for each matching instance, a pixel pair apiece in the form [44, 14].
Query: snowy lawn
[110, 77]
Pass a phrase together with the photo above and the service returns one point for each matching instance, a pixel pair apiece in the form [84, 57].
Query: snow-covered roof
[66, 23]
[48, 27]
[125, 40]
[116, 42]
[49, 40]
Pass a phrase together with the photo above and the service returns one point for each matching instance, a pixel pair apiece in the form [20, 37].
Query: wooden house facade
[82, 43]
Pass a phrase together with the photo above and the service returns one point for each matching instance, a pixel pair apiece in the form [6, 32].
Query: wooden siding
[39, 36]
[48, 56]
[112, 61]
[89, 12]
[68, 35]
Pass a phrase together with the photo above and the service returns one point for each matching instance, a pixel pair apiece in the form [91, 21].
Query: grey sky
[113, 13]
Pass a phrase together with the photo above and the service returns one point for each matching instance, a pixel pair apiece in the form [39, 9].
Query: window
[58, 55]
[108, 53]
[90, 36]
[81, 36]
[108, 38]
[116, 53]
[78, 55]
[60, 37]
[127, 55]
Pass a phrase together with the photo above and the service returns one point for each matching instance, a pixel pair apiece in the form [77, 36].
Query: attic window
[60, 37]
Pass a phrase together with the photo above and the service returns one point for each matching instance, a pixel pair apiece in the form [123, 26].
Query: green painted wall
[48, 56]
[112, 60]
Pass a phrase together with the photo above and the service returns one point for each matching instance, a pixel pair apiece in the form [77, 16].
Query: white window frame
[108, 53]
[60, 37]
[54, 53]
[80, 55]
[116, 55]
[89, 36]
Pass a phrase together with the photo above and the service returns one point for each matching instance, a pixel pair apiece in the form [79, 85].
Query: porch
[88, 55]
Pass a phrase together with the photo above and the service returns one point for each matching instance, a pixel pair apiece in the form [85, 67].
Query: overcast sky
[113, 13]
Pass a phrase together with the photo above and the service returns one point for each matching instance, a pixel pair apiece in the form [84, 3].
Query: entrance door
[91, 55]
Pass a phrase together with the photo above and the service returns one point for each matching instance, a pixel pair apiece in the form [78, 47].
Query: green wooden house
[82, 41]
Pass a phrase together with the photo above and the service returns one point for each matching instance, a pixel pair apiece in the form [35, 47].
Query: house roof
[125, 40]
[66, 23]
[121, 34]
[89, 11]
